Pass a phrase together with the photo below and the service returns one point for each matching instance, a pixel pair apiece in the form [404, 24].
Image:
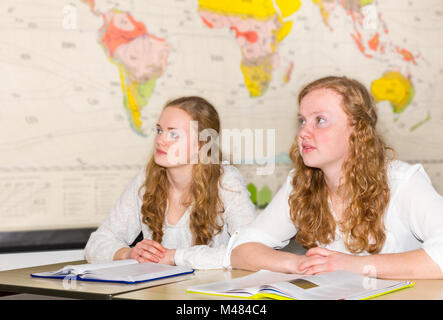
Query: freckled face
[172, 144]
[324, 130]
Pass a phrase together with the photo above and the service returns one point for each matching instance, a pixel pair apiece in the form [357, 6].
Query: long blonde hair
[365, 172]
[207, 207]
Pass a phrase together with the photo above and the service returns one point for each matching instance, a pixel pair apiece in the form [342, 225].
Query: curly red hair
[365, 185]
[207, 207]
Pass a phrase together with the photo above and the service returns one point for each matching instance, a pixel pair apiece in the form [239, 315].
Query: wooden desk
[20, 281]
[423, 289]
[177, 291]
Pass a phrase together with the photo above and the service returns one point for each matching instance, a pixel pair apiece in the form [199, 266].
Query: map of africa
[84, 82]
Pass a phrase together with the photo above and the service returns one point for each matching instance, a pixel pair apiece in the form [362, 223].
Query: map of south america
[141, 58]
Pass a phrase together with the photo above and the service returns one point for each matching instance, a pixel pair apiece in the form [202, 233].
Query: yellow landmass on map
[288, 7]
[256, 9]
[366, 2]
[257, 77]
[135, 96]
[130, 103]
[324, 13]
[395, 88]
[284, 31]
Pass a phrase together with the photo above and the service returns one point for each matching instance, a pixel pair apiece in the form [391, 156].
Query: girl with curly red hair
[347, 200]
[186, 203]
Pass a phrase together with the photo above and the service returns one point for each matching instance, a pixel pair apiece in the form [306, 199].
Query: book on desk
[338, 285]
[122, 271]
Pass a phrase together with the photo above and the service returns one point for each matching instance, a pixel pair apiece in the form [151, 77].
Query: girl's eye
[321, 120]
[173, 135]
[301, 122]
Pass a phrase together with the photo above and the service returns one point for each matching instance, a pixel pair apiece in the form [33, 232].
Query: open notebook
[338, 285]
[122, 271]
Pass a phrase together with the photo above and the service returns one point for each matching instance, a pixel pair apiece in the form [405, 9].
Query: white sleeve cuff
[435, 251]
[178, 257]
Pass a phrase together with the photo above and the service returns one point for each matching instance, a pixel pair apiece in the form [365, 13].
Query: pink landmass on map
[143, 55]
[370, 40]
[255, 38]
[120, 28]
[144, 58]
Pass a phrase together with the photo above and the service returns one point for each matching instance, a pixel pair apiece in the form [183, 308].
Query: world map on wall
[259, 28]
[85, 81]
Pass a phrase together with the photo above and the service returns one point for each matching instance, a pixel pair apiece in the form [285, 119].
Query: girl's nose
[160, 139]
[305, 131]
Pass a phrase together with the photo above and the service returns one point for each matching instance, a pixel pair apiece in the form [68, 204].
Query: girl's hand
[148, 250]
[168, 257]
[322, 260]
[295, 263]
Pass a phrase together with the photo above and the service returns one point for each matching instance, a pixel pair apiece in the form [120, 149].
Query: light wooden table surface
[177, 290]
[20, 281]
[422, 290]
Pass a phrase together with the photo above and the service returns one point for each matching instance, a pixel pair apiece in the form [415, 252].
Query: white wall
[10, 261]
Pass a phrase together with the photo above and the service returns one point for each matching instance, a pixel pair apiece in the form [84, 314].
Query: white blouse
[413, 220]
[124, 224]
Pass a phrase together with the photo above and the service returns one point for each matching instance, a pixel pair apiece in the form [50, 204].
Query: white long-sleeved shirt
[413, 219]
[124, 223]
